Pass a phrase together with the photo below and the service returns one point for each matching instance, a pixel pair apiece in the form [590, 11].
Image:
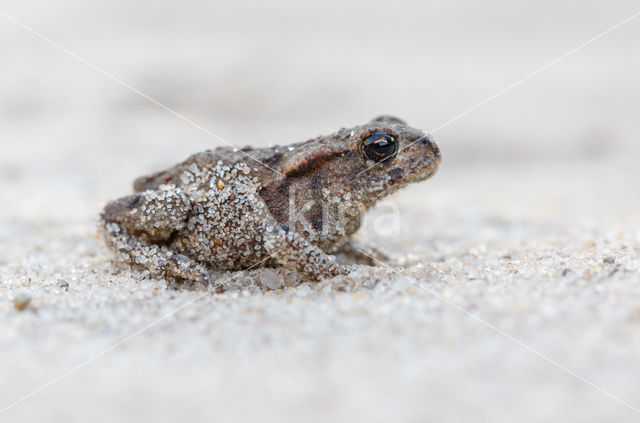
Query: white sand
[384, 348]
[520, 257]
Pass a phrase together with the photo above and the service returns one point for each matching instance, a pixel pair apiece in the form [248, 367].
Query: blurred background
[277, 72]
[532, 222]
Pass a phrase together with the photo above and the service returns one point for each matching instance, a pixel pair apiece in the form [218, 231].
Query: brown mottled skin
[290, 206]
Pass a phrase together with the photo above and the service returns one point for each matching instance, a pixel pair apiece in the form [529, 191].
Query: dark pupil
[379, 146]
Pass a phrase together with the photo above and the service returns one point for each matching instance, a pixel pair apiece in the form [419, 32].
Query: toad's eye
[379, 146]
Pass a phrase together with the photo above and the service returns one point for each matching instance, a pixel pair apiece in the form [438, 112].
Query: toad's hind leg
[154, 214]
[158, 259]
[292, 251]
[139, 228]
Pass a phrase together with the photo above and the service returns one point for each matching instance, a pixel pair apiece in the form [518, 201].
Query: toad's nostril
[425, 140]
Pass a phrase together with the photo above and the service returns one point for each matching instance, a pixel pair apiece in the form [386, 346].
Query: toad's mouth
[422, 176]
[425, 170]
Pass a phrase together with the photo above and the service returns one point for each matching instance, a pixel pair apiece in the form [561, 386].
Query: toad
[291, 206]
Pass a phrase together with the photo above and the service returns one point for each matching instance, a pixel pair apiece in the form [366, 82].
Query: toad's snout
[432, 149]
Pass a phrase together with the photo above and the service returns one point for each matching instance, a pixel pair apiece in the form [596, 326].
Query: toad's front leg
[292, 251]
[140, 226]
[369, 257]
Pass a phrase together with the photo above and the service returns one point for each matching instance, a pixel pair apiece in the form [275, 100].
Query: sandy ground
[513, 289]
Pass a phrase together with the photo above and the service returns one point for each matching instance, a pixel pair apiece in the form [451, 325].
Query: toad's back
[229, 217]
